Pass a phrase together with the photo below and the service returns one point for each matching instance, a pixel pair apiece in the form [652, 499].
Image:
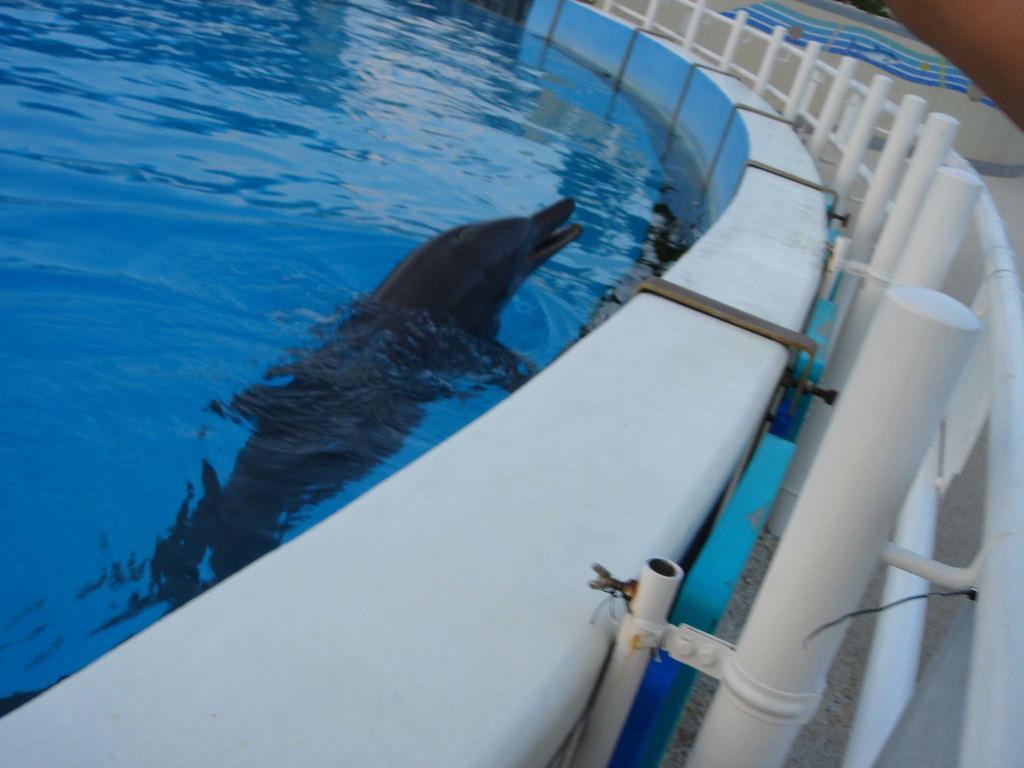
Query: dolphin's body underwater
[350, 403]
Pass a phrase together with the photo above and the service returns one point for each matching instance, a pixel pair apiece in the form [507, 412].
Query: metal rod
[554, 22]
[725, 133]
[625, 59]
[789, 176]
[682, 97]
[788, 338]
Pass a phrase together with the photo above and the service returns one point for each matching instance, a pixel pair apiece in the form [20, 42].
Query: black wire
[971, 593]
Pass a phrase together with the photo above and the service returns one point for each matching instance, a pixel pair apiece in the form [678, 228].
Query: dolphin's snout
[548, 239]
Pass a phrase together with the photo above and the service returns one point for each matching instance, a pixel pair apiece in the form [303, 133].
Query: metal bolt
[685, 646]
[707, 656]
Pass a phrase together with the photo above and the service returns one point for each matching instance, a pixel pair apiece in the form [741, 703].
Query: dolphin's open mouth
[548, 238]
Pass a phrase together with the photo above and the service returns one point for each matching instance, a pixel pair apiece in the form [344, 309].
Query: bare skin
[985, 38]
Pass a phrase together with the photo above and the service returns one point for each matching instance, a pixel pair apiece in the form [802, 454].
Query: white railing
[844, 116]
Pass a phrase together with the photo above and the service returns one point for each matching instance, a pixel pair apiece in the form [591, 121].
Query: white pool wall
[443, 618]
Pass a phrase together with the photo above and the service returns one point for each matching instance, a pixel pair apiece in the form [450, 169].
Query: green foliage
[871, 6]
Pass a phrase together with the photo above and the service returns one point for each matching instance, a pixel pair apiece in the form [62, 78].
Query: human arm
[985, 38]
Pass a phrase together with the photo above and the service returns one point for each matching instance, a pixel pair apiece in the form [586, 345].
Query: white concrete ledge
[442, 619]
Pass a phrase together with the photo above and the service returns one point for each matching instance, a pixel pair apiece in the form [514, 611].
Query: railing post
[891, 671]
[939, 221]
[851, 109]
[735, 34]
[652, 13]
[648, 611]
[832, 107]
[860, 138]
[892, 666]
[768, 62]
[802, 80]
[992, 735]
[868, 221]
[882, 427]
[694, 24]
[930, 246]
[931, 151]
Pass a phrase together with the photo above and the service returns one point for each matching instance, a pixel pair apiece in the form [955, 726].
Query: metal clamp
[700, 650]
[728, 125]
[682, 97]
[790, 339]
[686, 86]
[790, 177]
[762, 113]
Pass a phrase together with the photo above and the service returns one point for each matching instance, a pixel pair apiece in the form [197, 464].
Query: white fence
[901, 205]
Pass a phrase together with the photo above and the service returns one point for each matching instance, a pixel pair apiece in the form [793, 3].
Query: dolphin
[331, 415]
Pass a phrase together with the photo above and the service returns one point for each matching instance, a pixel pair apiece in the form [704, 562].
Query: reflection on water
[194, 193]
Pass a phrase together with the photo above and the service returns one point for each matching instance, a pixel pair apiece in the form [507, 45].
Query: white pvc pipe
[882, 427]
[891, 672]
[933, 146]
[768, 62]
[849, 118]
[840, 254]
[868, 221]
[935, 239]
[939, 574]
[937, 236]
[809, 92]
[729, 54]
[802, 80]
[694, 25]
[652, 13]
[932, 244]
[639, 631]
[992, 732]
[832, 107]
[860, 138]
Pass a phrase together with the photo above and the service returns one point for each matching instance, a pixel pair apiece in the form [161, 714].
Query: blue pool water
[192, 193]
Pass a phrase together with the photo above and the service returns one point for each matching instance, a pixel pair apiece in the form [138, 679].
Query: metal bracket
[659, 35]
[554, 22]
[728, 125]
[762, 113]
[682, 97]
[791, 177]
[714, 657]
[828, 395]
[625, 59]
[790, 339]
[842, 218]
[700, 650]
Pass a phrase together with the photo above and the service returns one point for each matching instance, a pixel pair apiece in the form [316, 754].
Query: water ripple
[194, 196]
